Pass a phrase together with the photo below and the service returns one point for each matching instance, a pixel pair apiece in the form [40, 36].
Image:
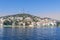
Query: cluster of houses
[28, 21]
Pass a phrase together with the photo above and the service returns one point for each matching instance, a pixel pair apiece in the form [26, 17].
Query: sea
[29, 33]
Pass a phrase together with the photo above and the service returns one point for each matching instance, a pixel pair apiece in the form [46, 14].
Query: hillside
[34, 18]
[20, 15]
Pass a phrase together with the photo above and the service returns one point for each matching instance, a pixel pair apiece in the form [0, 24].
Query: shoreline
[13, 26]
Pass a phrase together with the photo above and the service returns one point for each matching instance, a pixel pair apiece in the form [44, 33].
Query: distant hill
[26, 15]
[20, 15]
[34, 18]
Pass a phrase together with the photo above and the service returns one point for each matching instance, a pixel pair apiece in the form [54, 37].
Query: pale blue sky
[42, 8]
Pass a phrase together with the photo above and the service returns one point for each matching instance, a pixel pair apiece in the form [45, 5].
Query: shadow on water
[27, 33]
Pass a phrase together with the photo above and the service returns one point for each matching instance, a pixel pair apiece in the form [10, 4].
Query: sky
[41, 8]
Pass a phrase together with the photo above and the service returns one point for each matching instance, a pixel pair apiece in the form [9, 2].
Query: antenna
[23, 11]
[27, 11]
[19, 10]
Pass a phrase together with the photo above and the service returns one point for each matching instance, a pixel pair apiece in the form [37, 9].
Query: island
[24, 19]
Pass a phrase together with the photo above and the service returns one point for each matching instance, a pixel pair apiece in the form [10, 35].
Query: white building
[28, 19]
[19, 18]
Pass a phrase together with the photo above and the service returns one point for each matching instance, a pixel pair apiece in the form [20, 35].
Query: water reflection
[7, 33]
[1, 33]
[20, 33]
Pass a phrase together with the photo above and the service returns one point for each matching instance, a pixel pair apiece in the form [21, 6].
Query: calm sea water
[20, 33]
